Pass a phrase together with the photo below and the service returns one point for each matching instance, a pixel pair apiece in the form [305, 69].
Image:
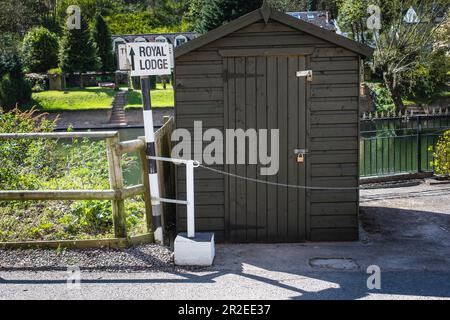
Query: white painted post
[190, 199]
[151, 151]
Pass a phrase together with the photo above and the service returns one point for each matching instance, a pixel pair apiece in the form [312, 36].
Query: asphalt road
[405, 233]
[250, 284]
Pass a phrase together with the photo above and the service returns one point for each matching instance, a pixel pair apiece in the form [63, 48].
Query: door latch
[307, 73]
[300, 153]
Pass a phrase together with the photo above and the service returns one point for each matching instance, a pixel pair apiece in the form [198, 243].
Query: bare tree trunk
[395, 94]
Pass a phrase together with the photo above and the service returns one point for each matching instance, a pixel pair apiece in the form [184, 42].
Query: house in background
[319, 18]
[176, 39]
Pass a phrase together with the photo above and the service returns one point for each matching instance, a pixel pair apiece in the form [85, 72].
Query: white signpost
[146, 59]
[149, 58]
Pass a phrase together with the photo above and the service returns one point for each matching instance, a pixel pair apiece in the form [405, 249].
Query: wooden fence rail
[117, 192]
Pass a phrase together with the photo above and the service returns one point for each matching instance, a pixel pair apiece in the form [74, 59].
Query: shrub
[441, 156]
[23, 160]
[382, 97]
[40, 50]
[47, 164]
[427, 78]
[13, 91]
[38, 81]
[55, 71]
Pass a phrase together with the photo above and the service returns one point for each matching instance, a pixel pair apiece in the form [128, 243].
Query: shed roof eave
[283, 18]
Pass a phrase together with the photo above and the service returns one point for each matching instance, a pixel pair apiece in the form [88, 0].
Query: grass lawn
[160, 97]
[73, 99]
[443, 92]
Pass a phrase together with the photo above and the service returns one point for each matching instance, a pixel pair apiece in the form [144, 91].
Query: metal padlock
[300, 155]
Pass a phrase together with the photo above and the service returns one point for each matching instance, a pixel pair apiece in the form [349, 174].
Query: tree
[78, 52]
[102, 38]
[14, 89]
[352, 16]
[215, 13]
[40, 50]
[403, 48]
[89, 8]
[18, 16]
[288, 5]
[311, 5]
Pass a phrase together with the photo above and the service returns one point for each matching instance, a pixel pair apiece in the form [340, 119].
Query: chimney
[327, 16]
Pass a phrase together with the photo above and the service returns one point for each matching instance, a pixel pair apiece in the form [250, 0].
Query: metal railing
[189, 202]
[400, 145]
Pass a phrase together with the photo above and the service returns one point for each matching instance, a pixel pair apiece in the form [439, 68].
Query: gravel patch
[149, 257]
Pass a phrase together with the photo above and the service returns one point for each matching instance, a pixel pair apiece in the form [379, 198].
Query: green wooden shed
[245, 75]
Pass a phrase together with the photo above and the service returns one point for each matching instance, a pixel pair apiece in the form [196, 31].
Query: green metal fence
[399, 145]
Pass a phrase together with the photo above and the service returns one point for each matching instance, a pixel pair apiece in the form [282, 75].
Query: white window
[179, 40]
[140, 39]
[161, 39]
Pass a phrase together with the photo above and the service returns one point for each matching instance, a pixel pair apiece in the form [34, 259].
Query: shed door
[263, 92]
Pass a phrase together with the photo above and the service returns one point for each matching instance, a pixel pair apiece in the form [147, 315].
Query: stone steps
[118, 116]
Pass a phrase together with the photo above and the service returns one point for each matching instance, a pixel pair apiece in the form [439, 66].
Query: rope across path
[275, 183]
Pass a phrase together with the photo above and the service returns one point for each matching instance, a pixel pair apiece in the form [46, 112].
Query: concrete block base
[198, 251]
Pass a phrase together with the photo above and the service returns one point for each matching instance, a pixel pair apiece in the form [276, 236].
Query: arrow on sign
[132, 58]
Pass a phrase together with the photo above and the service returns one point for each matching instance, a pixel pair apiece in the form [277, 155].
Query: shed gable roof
[265, 13]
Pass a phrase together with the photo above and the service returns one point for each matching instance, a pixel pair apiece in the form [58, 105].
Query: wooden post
[116, 183]
[146, 183]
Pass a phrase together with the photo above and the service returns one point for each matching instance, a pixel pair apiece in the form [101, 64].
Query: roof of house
[152, 36]
[265, 13]
[319, 18]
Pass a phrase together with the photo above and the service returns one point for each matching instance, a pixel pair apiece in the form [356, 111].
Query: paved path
[406, 233]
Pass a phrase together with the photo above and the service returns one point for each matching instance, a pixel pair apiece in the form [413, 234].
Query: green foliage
[353, 16]
[136, 23]
[10, 42]
[89, 8]
[215, 13]
[78, 52]
[382, 97]
[427, 78]
[102, 38]
[18, 16]
[14, 89]
[147, 21]
[311, 5]
[23, 160]
[37, 81]
[441, 156]
[56, 165]
[404, 51]
[55, 71]
[40, 50]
